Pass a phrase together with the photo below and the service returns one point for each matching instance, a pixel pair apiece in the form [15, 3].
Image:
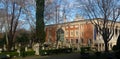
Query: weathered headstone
[26, 48]
[18, 50]
[4, 48]
[0, 50]
[36, 48]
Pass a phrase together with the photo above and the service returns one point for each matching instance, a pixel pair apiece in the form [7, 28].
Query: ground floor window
[76, 40]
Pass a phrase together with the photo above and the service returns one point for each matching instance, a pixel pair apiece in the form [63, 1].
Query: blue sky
[74, 5]
[71, 7]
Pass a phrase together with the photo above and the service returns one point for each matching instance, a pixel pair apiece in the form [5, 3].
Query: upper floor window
[66, 32]
[71, 33]
[76, 33]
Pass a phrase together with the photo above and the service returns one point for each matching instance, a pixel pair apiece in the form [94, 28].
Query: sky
[22, 17]
[72, 5]
[71, 8]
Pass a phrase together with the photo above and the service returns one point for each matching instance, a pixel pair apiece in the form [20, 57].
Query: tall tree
[40, 26]
[13, 17]
[108, 11]
[13, 9]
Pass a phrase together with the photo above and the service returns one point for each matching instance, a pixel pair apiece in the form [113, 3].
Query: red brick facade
[51, 34]
[73, 33]
[88, 32]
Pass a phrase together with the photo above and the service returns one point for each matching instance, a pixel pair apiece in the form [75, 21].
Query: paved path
[61, 56]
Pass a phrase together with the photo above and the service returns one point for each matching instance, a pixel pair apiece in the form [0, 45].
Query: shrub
[85, 49]
[114, 48]
[55, 51]
[44, 52]
[68, 50]
[30, 53]
[97, 53]
[11, 54]
[27, 53]
[4, 57]
[117, 48]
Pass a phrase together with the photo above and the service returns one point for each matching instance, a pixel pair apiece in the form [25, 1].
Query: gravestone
[36, 48]
[0, 50]
[18, 50]
[4, 48]
[26, 48]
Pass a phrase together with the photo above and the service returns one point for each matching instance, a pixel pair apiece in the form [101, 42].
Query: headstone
[0, 50]
[4, 48]
[36, 48]
[43, 48]
[26, 48]
[18, 50]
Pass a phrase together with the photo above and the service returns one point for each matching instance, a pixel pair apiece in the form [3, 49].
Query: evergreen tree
[40, 26]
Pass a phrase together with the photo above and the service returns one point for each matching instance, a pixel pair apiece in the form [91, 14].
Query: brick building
[76, 34]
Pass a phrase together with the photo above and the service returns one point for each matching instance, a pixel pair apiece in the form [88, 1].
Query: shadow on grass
[98, 55]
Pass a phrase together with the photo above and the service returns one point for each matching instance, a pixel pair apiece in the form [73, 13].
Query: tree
[22, 38]
[57, 10]
[108, 12]
[40, 26]
[2, 41]
[14, 12]
[118, 44]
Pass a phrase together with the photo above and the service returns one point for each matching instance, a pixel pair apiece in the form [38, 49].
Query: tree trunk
[9, 46]
[106, 46]
[10, 42]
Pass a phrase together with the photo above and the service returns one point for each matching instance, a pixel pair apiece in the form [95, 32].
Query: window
[67, 41]
[76, 33]
[71, 33]
[111, 45]
[66, 32]
[116, 31]
[76, 40]
[71, 40]
[82, 33]
[102, 44]
[82, 40]
[89, 42]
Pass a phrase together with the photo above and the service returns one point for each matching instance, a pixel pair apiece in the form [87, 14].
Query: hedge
[27, 53]
[11, 54]
[55, 51]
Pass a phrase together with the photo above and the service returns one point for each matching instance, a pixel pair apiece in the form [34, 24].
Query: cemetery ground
[64, 53]
[58, 56]
[74, 55]
[85, 53]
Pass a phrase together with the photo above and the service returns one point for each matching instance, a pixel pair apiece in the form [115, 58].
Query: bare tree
[14, 12]
[106, 13]
[2, 16]
[55, 10]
